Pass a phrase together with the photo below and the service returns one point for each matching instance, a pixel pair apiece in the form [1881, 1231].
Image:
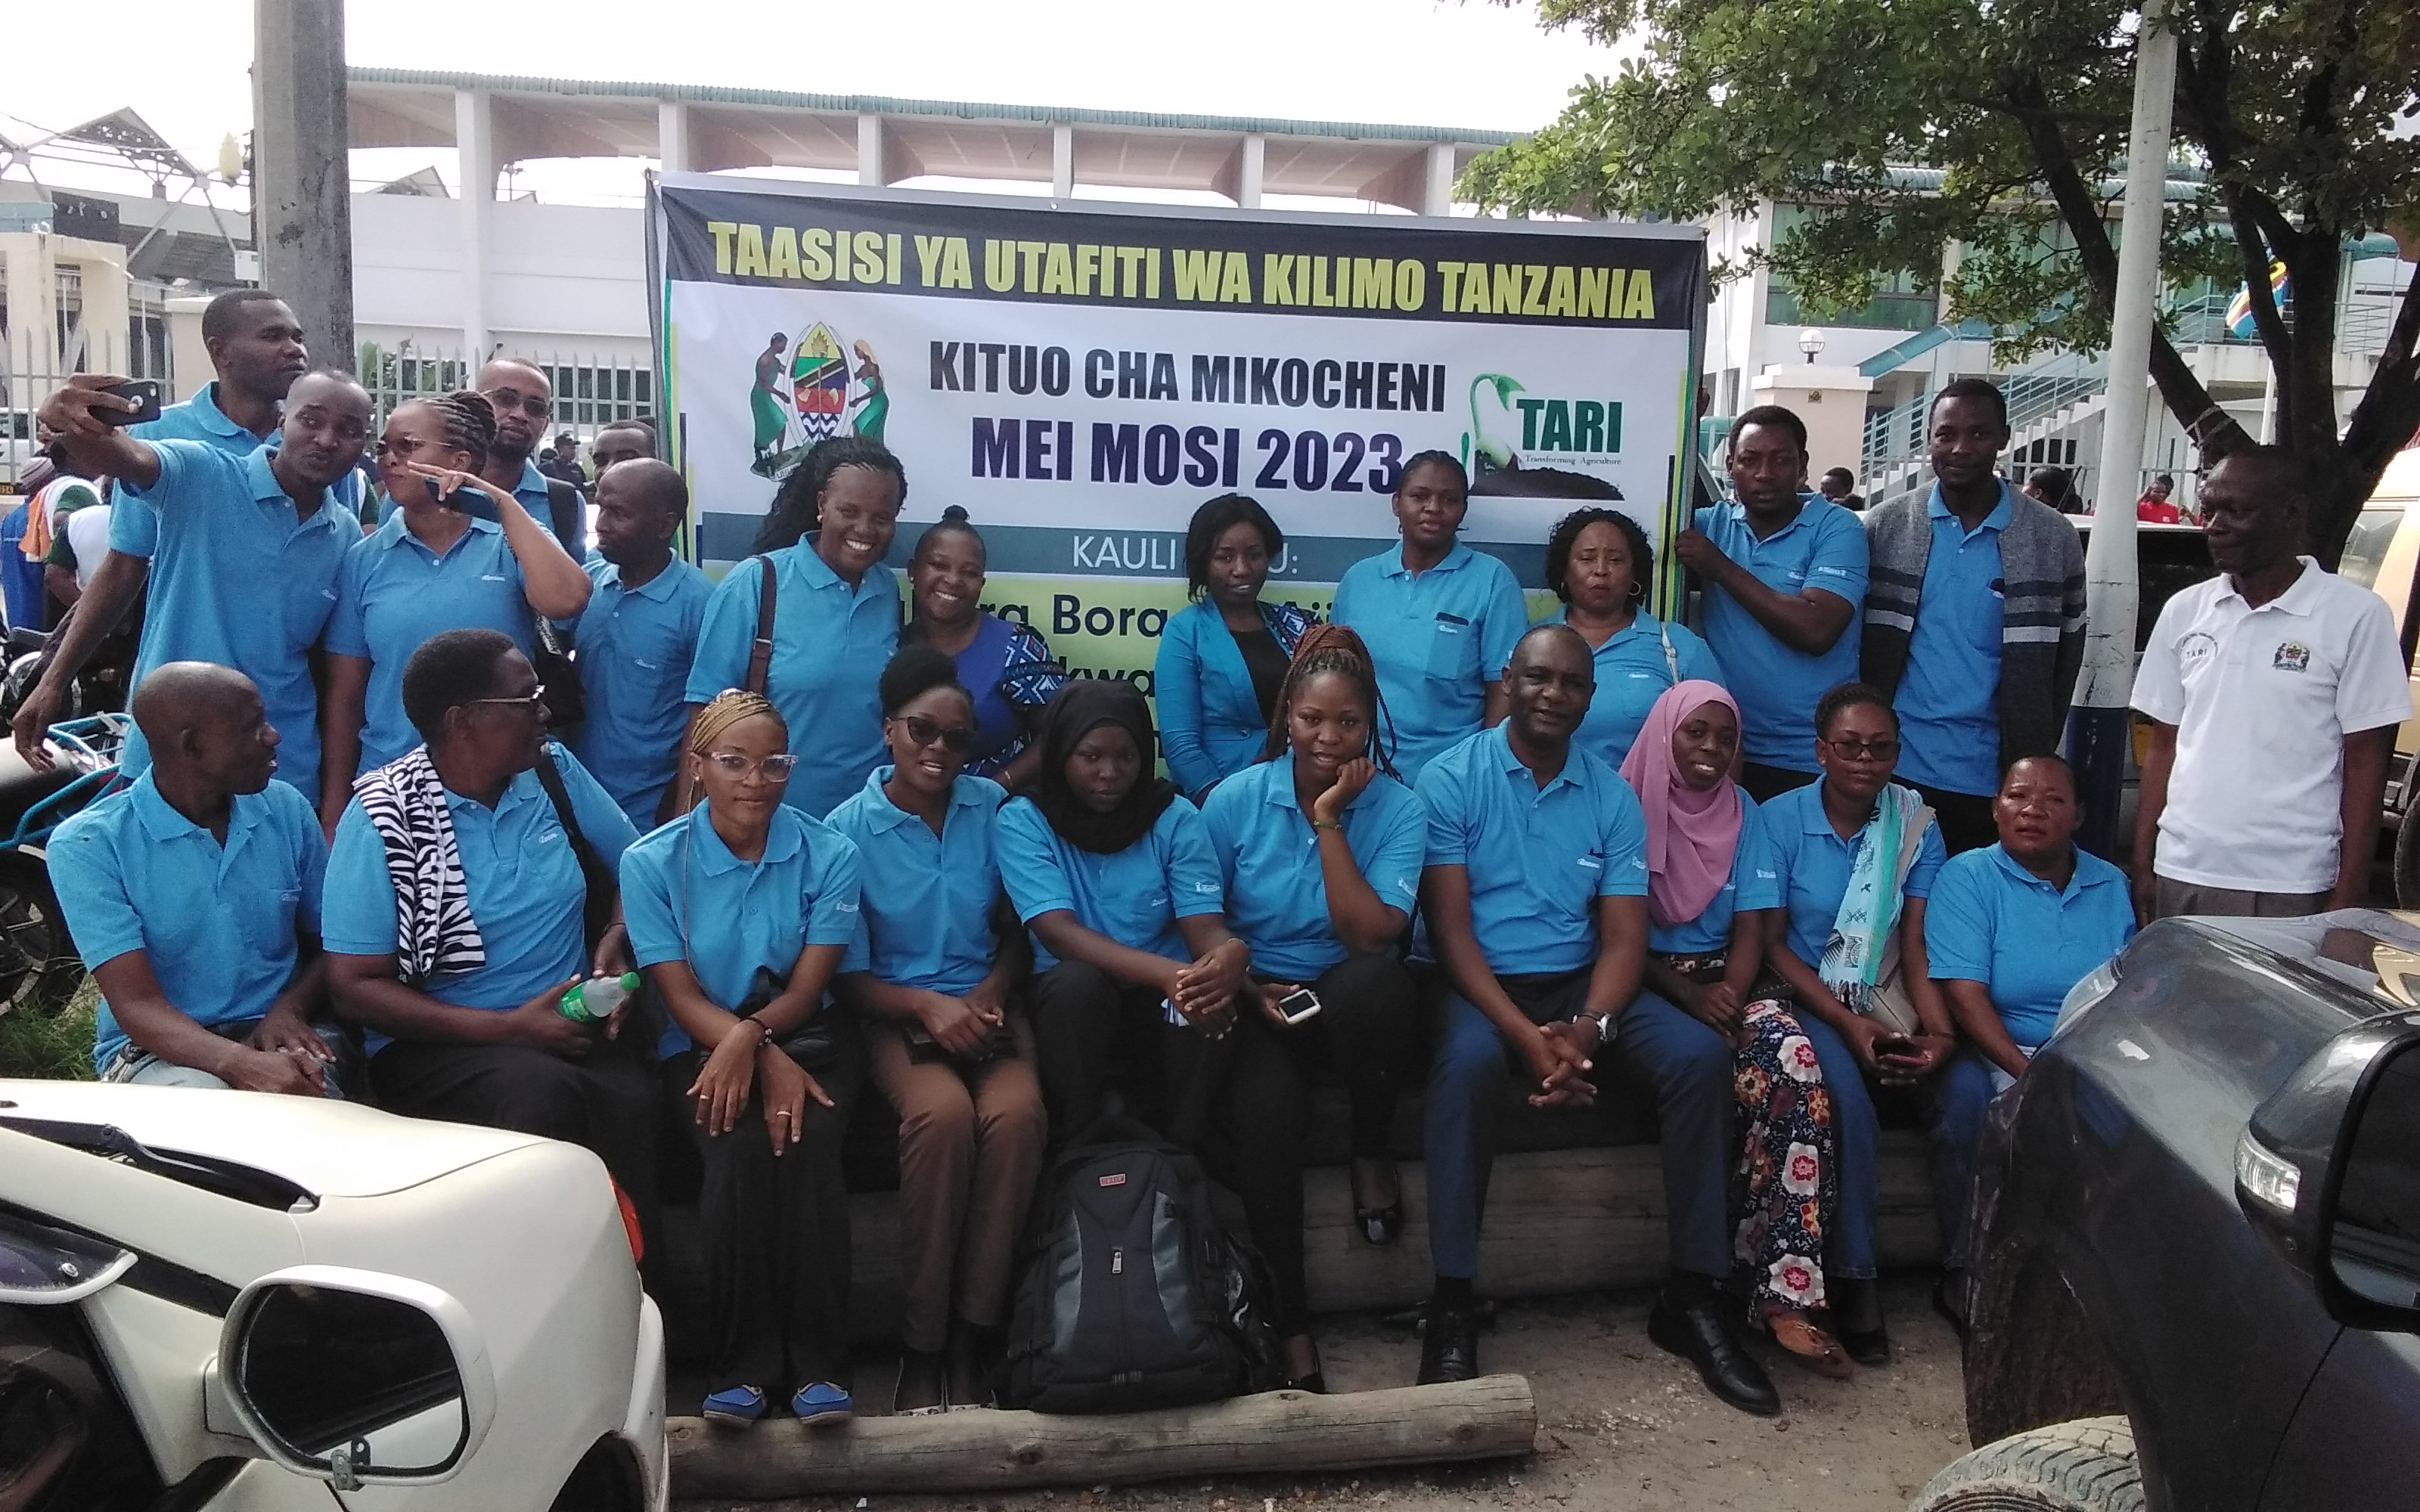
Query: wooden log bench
[1282, 1430]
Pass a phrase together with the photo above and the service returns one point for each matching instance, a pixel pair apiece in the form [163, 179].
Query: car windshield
[2365, 552]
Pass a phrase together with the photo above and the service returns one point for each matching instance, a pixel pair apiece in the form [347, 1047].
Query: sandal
[1808, 1344]
[1314, 1379]
[1382, 1225]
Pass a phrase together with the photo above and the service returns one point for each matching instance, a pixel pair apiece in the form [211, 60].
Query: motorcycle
[38, 965]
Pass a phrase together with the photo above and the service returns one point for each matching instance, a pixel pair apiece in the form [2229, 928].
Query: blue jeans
[1961, 1095]
[1851, 1249]
[1473, 1078]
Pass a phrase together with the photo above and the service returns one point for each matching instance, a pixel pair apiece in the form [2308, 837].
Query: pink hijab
[1690, 835]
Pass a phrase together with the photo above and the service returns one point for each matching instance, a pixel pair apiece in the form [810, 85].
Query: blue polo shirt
[635, 649]
[1276, 896]
[1754, 884]
[1631, 673]
[1134, 897]
[1210, 720]
[396, 593]
[239, 577]
[218, 921]
[928, 898]
[525, 890]
[1814, 863]
[1538, 858]
[1777, 686]
[1949, 698]
[134, 529]
[1437, 639]
[531, 491]
[1992, 921]
[831, 643]
[685, 897]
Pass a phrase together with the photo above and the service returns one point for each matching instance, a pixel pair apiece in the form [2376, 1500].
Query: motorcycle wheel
[40, 969]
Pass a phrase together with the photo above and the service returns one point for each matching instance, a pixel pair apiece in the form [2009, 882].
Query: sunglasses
[732, 763]
[1865, 750]
[922, 731]
[533, 703]
[528, 404]
[402, 449]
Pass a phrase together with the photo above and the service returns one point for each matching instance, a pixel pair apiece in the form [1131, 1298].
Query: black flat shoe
[1449, 1346]
[1855, 1302]
[1698, 1334]
[1381, 1227]
[1314, 1379]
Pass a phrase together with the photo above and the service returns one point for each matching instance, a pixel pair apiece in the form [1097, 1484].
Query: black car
[2197, 1232]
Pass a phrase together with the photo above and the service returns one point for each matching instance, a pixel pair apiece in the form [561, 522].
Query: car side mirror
[356, 1378]
[2329, 1170]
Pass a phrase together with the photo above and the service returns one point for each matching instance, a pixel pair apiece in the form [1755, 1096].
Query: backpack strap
[562, 504]
[1672, 658]
[760, 651]
[597, 912]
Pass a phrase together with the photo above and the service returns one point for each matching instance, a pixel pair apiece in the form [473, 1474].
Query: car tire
[38, 965]
[2084, 1466]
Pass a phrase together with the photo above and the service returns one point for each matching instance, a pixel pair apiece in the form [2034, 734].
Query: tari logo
[2195, 645]
[2292, 656]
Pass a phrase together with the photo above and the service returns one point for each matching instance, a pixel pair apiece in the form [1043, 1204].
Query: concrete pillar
[1832, 401]
[672, 150]
[869, 151]
[1248, 159]
[1063, 163]
[1437, 196]
[474, 135]
[29, 281]
[302, 186]
[188, 359]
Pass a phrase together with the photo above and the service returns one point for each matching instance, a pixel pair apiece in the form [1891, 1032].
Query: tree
[2287, 109]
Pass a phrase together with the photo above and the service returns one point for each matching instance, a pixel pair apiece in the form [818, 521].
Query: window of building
[1904, 302]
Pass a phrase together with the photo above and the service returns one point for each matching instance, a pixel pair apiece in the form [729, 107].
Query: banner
[1081, 380]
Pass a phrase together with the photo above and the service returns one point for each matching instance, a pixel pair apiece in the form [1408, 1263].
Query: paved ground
[1621, 1425]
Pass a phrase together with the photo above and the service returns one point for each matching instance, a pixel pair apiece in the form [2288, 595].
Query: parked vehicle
[38, 965]
[2198, 1231]
[2382, 552]
[210, 1301]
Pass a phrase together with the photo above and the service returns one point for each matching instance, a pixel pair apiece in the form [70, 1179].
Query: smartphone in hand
[469, 502]
[1298, 1005]
[145, 392]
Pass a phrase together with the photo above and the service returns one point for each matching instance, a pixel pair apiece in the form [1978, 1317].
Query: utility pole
[301, 175]
[2100, 732]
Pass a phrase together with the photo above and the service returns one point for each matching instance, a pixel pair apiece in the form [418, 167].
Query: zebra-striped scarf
[434, 932]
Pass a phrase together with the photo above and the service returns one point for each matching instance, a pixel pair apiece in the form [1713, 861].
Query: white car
[230, 1302]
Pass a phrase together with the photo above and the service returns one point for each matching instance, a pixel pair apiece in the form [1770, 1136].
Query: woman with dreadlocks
[459, 553]
[1320, 847]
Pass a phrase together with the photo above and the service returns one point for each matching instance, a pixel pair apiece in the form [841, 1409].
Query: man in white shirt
[2275, 689]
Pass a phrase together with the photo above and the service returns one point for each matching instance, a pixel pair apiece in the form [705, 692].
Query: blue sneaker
[734, 1406]
[820, 1401]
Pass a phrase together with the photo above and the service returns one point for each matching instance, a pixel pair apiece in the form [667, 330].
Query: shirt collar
[163, 823]
[1996, 520]
[1641, 622]
[393, 531]
[205, 407]
[266, 489]
[1453, 561]
[2298, 600]
[657, 587]
[1735, 510]
[2082, 878]
[533, 484]
[887, 815]
[714, 857]
[1502, 746]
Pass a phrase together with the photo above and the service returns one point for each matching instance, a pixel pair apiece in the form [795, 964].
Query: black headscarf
[1083, 706]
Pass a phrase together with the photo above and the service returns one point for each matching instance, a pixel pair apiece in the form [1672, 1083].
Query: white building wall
[561, 278]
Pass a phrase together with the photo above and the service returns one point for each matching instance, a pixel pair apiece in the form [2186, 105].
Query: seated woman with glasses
[1222, 656]
[938, 966]
[1004, 666]
[1320, 848]
[461, 905]
[460, 553]
[740, 914]
[1112, 872]
[1855, 855]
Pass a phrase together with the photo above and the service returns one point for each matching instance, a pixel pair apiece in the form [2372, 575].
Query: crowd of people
[1808, 863]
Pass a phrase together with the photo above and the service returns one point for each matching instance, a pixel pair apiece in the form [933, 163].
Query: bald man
[637, 638]
[193, 899]
[525, 401]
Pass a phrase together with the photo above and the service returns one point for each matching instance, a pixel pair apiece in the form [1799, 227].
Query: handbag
[813, 1046]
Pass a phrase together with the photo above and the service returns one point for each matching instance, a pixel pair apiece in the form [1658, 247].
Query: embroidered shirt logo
[2292, 656]
[2195, 645]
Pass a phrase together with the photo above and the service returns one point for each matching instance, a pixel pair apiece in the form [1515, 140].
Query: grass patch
[50, 1046]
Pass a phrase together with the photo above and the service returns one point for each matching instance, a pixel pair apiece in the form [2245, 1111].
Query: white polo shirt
[2262, 699]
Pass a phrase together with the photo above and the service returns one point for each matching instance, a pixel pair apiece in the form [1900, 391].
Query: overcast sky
[183, 65]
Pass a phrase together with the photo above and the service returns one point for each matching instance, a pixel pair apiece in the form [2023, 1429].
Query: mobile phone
[469, 502]
[1298, 1005]
[1893, 1044]
[143, 392]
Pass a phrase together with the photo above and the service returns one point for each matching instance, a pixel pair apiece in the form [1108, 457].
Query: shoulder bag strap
[1672, 658]
[760, 651]
[563, 506]
[597, 912]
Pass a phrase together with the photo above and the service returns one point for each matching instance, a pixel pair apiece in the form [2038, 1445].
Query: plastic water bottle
[594, 1001]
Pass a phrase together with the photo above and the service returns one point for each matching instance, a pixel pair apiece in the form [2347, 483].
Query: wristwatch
[1606, 1026]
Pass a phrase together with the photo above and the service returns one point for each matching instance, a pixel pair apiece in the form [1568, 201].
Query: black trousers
[1094, 1034]
[1965, 818]
[776, 1235]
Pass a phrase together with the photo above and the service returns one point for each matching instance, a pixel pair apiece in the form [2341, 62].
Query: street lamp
[1811, 341]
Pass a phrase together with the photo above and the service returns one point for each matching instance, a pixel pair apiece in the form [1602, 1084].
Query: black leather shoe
[1698, 1334]
[1449, 1346]
[1857, 1320]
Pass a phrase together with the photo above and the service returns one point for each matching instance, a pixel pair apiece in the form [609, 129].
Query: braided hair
[1333, 648]
[468, 420]
[797, 507]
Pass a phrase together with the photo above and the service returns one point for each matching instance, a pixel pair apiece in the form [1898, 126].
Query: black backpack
[1136, 1293]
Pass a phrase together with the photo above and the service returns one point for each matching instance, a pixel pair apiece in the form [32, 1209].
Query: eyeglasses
[533, 703]
[1886, 750]
[536, 406]
[923, 732]
[403, 450]
[732, 763]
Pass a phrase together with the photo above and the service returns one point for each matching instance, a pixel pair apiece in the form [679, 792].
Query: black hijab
[1083, 706]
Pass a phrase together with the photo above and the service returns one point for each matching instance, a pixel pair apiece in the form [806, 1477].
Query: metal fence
[23, 385]
[591, 390]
